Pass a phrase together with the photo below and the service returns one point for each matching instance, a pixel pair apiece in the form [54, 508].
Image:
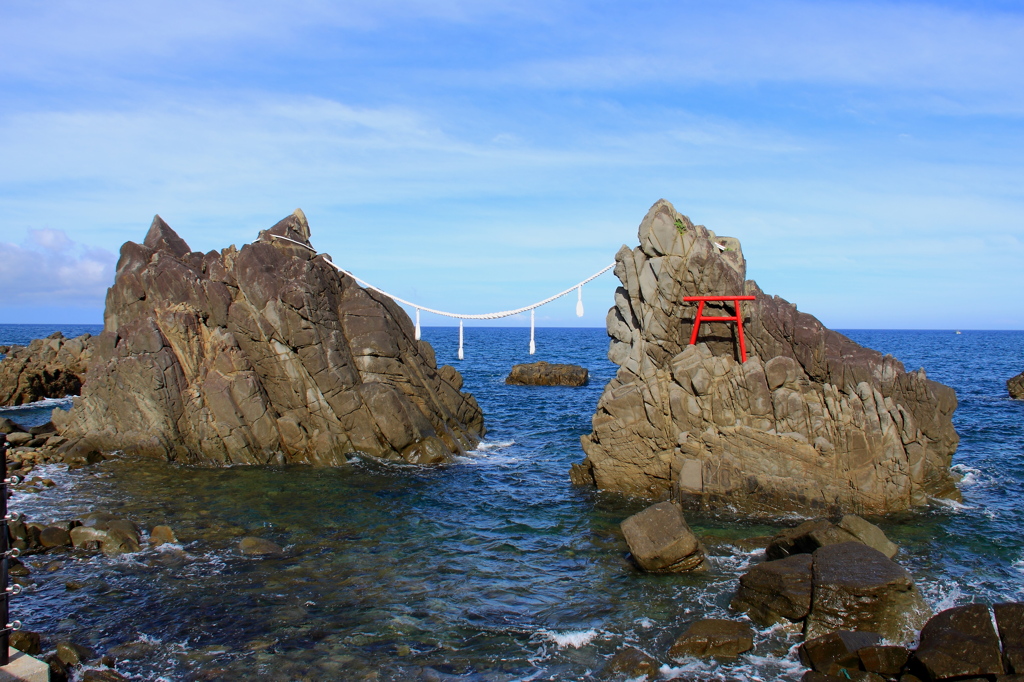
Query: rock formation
[1015, 386]
[546, 374]
[810, 421]
[660, 540]
[53, 367]
[261, 355]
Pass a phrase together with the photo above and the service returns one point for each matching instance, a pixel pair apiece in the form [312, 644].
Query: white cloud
[49, 269]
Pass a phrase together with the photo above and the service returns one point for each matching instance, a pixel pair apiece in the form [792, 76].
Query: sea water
[491, 568]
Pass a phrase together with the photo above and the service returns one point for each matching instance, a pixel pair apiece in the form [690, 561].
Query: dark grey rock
[776, 591]
[713, 637]
[960, 642]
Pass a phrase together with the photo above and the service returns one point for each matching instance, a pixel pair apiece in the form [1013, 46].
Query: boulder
[811, 420]
[884, 660]
[776, 591]
[73, 654]
[18, 438]
[251, 546]
[959, 642]
[1010, 622]
[545, 374]
[660, 540]
[53, 367]
[8, 426]
[713, 637]
[267, 354]
[54, 536]
[836, 650]
[629, 663]
[857, 587]
[26, 641]
[868, 533]
[161, 535]
[1015, 386]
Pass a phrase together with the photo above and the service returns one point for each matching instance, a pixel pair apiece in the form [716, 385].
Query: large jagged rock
[810, 421]
[53, 367]
[264, 354]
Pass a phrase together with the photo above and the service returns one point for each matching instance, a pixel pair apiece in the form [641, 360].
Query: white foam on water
[573, 638]
[645, 623]
[44, 403]
[484, 446]
[951, 504]
[969, 476]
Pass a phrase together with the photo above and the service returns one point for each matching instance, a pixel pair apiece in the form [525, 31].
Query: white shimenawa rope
[461, 316]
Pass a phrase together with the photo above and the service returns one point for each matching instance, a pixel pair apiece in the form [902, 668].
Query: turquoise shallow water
[493, 568]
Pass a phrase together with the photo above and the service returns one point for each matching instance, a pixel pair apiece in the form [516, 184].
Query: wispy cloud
[48, 266]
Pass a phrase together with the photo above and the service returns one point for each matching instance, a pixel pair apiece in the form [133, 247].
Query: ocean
[492, 568]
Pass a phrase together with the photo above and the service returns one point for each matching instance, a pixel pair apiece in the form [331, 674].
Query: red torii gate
[737, 318]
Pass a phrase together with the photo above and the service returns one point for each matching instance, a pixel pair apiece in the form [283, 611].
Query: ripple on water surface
[492, 568]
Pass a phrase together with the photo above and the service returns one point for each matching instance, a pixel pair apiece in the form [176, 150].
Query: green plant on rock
[680, 226]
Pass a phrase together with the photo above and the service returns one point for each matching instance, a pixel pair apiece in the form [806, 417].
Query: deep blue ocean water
[493, 568]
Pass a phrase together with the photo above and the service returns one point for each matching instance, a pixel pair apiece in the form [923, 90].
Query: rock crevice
[810, 420]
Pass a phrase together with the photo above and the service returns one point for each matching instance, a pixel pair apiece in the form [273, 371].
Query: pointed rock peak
[293, 227]
[162, 238]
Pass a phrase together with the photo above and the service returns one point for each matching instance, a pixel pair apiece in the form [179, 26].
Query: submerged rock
[661, 541]
[545, 374]
[265, 354]
[810, 420]
[629, 663]
[53, 367]
[713, 637]
[1016, 386]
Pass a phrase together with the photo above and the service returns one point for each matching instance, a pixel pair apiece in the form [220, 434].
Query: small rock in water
[161, 535]
[53, 536]
[839, 649]
[629, 663]
[1016, 386]
[251, 546]
[805, 538]
[27, 641]
[73, 654]
[868, 533]
[714, 637]
[546, 374]
[661, 541]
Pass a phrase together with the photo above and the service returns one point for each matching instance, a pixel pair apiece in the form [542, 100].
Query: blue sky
[479, 156]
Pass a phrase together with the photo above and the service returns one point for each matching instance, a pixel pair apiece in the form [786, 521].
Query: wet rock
[545, 374]
[868, 533]
[98, 519]
[830, 652]
[18, 569]
[884, 660]
[251, 546]
[846, 676]
[714, 637]
[53, 367]
[660, 540]
[1010, 623]
[857, 587]
[27, 641]
[959, 642]
[102, 675]
[161, 535]
[72, 654]
[629, 663]
[54, 536]
[1015, 386]
[811, 420]
[805, 538]
[261, 355]
[88, 538]
[59, 670]
[776, 591]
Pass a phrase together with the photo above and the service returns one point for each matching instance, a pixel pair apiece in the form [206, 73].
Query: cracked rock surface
[811, 420]
[264, 354]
